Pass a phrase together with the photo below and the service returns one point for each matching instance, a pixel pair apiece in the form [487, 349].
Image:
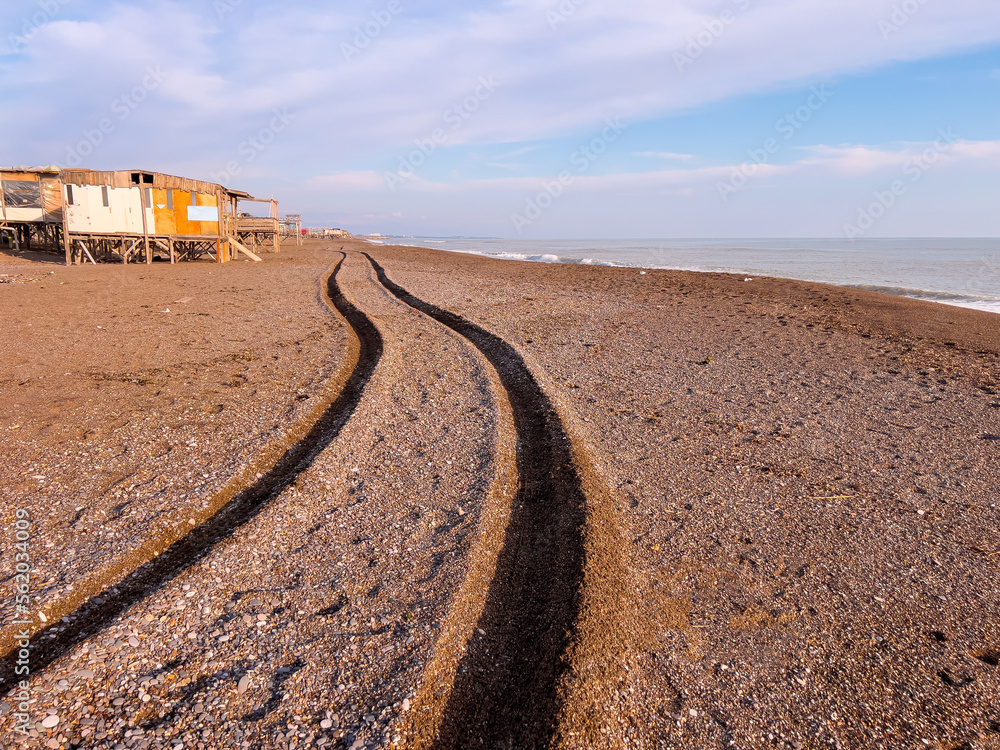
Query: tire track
[506, 693]
[159, 560]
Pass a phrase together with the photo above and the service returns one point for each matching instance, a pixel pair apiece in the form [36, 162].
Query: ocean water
[964, 272]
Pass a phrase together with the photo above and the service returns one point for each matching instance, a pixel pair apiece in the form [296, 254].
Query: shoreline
[945, 297]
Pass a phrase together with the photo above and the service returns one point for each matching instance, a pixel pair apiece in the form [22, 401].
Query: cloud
[353, 115]
[841, 162]
[664, 155]
[609, 58]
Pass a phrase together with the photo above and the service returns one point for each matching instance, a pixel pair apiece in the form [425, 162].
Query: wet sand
[773, 519]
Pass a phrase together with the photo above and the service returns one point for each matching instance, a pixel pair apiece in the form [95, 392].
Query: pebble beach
[366, 496]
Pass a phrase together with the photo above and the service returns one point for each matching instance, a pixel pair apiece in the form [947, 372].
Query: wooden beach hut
[132, 216]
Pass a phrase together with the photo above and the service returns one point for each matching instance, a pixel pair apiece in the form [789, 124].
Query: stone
[50, 721]
[244, 684]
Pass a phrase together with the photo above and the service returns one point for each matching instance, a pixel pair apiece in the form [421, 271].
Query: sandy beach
[371, 496]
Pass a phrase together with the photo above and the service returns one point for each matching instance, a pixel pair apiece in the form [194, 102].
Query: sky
[531, 118]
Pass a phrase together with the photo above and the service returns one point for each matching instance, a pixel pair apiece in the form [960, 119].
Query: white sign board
[203, 213]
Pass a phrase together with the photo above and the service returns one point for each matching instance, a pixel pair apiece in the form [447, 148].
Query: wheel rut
[506, 692]
[159, 560]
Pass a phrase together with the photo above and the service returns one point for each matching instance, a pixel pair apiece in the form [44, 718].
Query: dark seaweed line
[91, 618]
[506, 690]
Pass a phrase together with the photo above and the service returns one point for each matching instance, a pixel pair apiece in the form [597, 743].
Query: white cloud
[607, 58]
[610, 57]
[664, 155]
[842, 164]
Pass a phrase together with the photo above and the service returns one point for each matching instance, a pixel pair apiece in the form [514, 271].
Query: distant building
[326, 232]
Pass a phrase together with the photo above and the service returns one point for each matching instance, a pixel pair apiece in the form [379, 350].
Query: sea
[963, 272]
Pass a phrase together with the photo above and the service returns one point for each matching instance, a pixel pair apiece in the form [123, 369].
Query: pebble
[133, 642]
[244, 684]
[406, 704]
[326, 724]
[85, 674]
[50, 721]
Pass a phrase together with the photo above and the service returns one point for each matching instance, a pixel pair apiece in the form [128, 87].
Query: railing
[257, 224]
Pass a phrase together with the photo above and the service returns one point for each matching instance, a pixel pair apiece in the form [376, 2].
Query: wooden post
[67, 249]
[145, 228]
[170, 248]
[277, 231]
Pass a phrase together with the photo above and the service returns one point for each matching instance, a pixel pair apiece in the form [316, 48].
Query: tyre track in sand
[98, 601]
[508, 687]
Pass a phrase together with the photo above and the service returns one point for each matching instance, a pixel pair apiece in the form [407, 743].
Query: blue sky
[531, 118]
